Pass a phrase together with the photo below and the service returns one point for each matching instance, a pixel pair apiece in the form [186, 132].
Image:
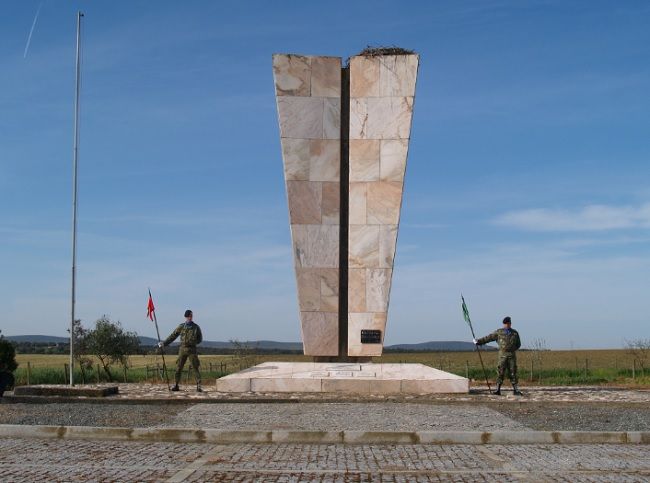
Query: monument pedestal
[343, 377]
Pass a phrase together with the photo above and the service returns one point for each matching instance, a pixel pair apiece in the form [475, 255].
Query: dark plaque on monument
[370, 336]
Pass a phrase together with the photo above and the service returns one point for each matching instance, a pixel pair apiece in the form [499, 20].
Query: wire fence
[546, 367]
[29, 373]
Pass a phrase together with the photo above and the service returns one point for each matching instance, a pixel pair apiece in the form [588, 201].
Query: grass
[592, 367]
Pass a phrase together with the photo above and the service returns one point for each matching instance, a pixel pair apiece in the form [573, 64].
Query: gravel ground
[487, 416]
[579, 417]
[81, 414]
[345, 416]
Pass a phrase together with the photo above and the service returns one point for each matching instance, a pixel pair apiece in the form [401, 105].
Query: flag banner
[466, 312]
[150, 307]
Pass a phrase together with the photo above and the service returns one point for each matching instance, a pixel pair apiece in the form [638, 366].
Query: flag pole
[74, 194]
[162, 352]
[469, 322]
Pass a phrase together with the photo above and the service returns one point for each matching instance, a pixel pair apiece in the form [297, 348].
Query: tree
[111, 344]
[639, 349]
[81, 352]
[244, 352]
[538, 350]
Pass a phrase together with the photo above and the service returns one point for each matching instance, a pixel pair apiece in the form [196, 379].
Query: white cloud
[589, 218]
[551, 293]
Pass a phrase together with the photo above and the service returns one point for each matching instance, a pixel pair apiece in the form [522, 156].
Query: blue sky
[527, 187]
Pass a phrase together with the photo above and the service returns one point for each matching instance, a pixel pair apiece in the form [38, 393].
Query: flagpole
[74, 194]
[469, 322]
[162, 352]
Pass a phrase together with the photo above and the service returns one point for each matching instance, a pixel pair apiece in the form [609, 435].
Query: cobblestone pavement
[344, 416]
[26, 460]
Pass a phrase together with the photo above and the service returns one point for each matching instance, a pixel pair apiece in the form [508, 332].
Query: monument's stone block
[370, 152]
[382, 90]
[308, 91]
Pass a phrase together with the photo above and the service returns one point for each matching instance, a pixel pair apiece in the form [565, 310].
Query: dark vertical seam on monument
[344, 213]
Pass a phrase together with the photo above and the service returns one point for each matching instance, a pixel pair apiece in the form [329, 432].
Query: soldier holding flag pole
[509, 342]
[151, 313]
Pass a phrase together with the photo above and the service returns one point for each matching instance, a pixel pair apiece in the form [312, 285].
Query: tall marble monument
[344, 133]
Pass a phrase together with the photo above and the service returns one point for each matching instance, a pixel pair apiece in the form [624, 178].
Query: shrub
[7, 356]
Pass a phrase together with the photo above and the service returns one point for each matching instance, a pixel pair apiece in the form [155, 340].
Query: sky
[527, 186]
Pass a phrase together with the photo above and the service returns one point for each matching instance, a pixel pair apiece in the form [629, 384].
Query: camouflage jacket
[507, 339]
[190, 335]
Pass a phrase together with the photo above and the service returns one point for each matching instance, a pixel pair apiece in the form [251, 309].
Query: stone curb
[189, 435]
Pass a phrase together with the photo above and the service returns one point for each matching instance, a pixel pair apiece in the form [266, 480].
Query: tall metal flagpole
[469, 322]
[74, 192]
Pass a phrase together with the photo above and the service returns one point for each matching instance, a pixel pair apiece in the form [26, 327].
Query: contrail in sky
[31, 31]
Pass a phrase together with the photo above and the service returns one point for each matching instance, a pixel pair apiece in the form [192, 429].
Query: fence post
[65, 372]
[467, 369]
[531, 368]
[29, 373]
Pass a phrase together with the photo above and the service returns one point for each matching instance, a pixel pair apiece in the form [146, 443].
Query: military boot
[516, 391]
[175, 388]
[198, 388]
[498, 391]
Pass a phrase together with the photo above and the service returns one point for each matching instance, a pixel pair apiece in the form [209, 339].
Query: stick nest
[376, 51]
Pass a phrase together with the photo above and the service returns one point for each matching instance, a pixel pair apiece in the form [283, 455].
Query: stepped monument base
[343, 377]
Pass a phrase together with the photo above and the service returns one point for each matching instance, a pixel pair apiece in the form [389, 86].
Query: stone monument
[344, 132]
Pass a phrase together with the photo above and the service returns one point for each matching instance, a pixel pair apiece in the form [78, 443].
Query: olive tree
[111, 344]
[81, 352]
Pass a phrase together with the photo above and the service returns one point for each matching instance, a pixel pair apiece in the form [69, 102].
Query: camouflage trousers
[184, 354]
[507, 362]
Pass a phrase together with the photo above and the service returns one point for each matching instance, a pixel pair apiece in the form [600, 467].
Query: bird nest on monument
[376, 51]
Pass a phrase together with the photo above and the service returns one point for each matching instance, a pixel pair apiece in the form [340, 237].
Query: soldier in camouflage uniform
[191, 336]
[508, 340]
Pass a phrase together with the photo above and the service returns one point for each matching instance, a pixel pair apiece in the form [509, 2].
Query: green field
[602, 367]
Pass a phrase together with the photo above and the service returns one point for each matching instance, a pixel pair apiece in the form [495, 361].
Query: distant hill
[270, 345]
[216, 344]
[41, 339]
[147, 340]
[436, 346]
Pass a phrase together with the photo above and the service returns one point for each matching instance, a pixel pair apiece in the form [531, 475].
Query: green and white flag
[465, 311]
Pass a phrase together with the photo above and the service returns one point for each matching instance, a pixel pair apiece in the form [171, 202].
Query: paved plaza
[55, 458]
[23, 460]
